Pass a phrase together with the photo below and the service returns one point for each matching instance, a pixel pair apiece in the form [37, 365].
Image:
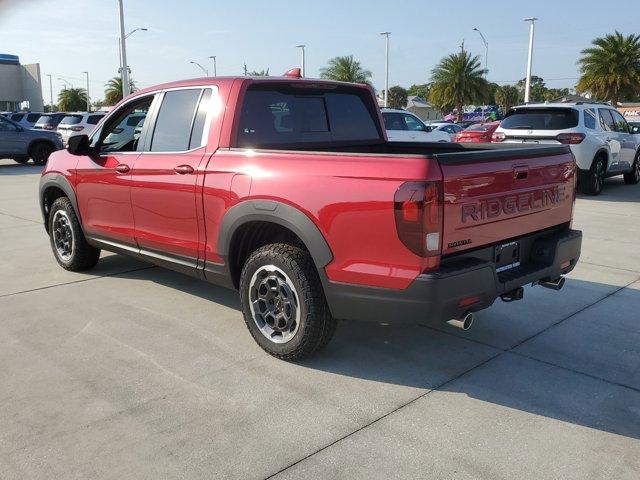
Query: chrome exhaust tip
[556, 284]
[463, 323]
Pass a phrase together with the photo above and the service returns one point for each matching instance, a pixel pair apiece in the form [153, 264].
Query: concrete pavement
[132, 371]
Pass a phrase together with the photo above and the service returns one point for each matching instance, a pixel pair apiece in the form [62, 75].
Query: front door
[627, 141]
[10, 141]
[611, 137]
[104, 179]
[163, 192]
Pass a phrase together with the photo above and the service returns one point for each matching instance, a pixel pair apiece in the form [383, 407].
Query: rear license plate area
[506, 256]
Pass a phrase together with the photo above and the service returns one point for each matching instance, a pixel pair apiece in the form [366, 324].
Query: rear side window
[71, 120]
[590, 118]
[94, 119]
[33, 117]
[281, 116]
[44, 119]
[541, 119]
[606, 120]
[394, 121]
[198, 132]
[172, 132]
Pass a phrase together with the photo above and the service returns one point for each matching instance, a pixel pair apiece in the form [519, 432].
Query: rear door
[494, 195]
[627, 141]
[163, 193]
[612, 138]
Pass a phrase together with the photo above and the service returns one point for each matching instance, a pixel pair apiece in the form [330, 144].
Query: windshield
[71, 120]
[540, 119]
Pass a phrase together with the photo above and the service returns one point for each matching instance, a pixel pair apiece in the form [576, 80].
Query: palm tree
[113, 90]
[458, 79]
[610, 69]
[506, 97]
[259, 73]
[345, 69]
[72, 99]
[398, 97]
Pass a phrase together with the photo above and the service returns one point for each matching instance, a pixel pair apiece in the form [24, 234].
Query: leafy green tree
[458, 80]
[345, 69]
[538, 89]
[72, 99]
[507, 96]
[610, 69]
[555, 93]
[259, 73]
[419, 90]
[50, 108]
[492, 88]
[113, 90]
[397, 97]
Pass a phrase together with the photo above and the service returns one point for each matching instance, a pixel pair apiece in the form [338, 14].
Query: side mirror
[79, 145]
[635, 130]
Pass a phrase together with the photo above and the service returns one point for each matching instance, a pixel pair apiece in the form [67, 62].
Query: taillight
[418, 212]
[498, 137]
[77, 129]
[570, 138]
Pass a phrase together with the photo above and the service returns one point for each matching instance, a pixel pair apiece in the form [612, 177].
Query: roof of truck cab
[198, 82]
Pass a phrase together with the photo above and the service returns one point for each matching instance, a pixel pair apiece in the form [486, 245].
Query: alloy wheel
[63, 237]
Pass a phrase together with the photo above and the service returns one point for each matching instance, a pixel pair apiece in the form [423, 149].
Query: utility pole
[215, 70]
[386, 68]
[486, 61]
[245, 69]
[206, 72]
[50, 90]
[527, 88]
[301, 47]
[88, 101]
[124, 68]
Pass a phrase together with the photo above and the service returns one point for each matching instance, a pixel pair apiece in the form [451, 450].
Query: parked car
[128, 127]
[49, 121]
[599, 137]
[25, 119]
[314, 218]
[403, 126]
[21, 144]
[449, 128]
[477, 133]
[78, 123]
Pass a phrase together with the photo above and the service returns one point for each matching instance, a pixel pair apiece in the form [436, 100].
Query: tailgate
[494, 195]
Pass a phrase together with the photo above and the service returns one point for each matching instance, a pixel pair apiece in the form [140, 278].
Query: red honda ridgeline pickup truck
[288, 190]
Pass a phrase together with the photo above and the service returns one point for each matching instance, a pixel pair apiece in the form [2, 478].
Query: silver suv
[599, 136]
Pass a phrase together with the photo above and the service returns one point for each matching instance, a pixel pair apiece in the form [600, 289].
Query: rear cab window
[284, 115]
[544, 118]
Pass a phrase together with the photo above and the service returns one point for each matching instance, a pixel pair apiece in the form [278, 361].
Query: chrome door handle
[184, 169]
[123, 168]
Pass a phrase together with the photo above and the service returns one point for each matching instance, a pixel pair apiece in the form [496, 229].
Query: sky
[68, 38]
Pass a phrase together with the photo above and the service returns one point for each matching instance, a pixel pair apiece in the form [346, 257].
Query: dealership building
[20, 85]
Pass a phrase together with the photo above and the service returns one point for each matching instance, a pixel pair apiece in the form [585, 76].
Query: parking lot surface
[132, 371]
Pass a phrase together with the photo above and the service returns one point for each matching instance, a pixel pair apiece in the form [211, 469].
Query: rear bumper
[435, 297]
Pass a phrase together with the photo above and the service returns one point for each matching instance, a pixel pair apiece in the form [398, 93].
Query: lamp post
[50, 90]
[215, 70]
[206, 72]
[302, 67]
[141, 29]
[386, 68]
[486, 59]
[124, 69]
[88, 101]
[527, 88]
[65, 82]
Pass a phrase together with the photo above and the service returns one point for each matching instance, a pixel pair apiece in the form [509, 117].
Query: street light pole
[302, 69]
[486, 59]
[206, 72]
[215, 70]
[386, 68]
[527, 88]
[50, 90]
[124, 69]
[88, 101]
[65, 82]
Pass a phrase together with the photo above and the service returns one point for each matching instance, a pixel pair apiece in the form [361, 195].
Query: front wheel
[40, 153]
[633, 177]
[283, 302]
[67, 240]
[592, 181]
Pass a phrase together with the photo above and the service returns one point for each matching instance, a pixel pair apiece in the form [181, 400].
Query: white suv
[600, 138]
[80, 123]
[403, 126]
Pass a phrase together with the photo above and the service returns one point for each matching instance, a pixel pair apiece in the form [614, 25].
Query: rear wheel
[633, 176]
[283, 303]
[21, 160]
[592, 180]
[67, 240]
[40, 152]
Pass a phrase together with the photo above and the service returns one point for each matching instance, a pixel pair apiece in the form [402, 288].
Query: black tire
[592, 180]
[40, 151]
[633, 177]
[295, 269]
[21, 160]
[74, 254]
